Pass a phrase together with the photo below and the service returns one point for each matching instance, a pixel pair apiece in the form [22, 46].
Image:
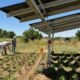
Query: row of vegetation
[31, 35]
[64, 67]
[6, 34]
[11, 65]
[77, 35]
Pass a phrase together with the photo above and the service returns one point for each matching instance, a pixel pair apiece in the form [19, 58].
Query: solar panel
[24, 12]
[59, 24]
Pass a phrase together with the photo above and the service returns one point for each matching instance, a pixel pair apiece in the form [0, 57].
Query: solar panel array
[32, 9]
[59, 24]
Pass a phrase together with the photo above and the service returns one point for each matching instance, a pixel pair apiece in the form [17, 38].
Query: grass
[64, 46]
[26, 54]
[59, 46]
[32, 46]
[13, 63]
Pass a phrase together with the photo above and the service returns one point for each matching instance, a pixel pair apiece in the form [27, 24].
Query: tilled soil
[28, 74]
[40, 77]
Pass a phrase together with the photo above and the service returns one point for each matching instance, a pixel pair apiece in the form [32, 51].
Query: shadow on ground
[60, 74]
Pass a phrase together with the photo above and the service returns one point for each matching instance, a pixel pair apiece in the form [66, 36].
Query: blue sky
[13, 24]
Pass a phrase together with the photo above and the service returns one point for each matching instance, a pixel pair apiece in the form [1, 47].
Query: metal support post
[52, 41]
[49, 47]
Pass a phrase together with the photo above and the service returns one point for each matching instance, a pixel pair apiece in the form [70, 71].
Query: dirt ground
[27, 75]
[40, 77]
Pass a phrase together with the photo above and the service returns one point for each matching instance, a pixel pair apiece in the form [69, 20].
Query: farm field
[40, 40]
[12, 65]
[59, 46]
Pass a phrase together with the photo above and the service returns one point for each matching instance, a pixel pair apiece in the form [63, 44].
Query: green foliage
[0, 32]
[31, 35]
[62, 77]
[11, 34]
[78, 34]
[67, 39]
[6, 34]
[57, 38]
[11, 64]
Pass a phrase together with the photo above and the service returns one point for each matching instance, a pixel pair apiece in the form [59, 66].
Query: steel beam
[35, 8]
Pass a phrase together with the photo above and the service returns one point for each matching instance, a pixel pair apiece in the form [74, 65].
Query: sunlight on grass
[35, 46]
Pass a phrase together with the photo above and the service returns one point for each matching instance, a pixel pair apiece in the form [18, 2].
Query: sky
[13, 24]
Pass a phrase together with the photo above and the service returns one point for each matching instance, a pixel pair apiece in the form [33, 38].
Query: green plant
[62, 77]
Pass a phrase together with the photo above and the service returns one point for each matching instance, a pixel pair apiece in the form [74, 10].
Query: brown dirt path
[40, 77]
[27, 75]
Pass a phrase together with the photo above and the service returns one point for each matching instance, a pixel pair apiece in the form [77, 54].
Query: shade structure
[24, 12]
[40, 9]
[59, 24]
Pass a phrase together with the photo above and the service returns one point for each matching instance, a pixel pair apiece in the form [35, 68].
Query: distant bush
[57, 38]
[67, 39]
[11, 34]
[78, 34]
[31, 35]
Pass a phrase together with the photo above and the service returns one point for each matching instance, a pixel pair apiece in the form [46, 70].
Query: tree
[11, 34]
[67, 39]
[40, 36]
[4, 33]
[31, 35]
[0, 32]
[25, 36]
[78, 34]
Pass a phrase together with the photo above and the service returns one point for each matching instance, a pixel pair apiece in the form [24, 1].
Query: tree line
[31, 34]
[77, 36]
[6, 34]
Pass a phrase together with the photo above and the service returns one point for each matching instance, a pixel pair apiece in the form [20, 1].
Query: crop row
[67, 65]
[12, 64]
